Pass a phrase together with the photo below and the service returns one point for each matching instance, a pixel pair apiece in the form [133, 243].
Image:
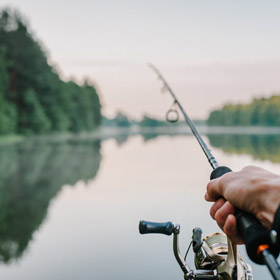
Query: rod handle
[151, 227]
[253, 233]
[219, 172]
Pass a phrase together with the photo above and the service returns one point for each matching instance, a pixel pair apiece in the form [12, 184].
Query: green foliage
[8, 113]
[8, 117]
[262, 112]
[33, 117]
[32, 96]
[151, 122]
[120, 120]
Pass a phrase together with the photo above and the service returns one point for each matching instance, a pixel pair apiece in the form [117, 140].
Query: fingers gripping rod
[213, 162]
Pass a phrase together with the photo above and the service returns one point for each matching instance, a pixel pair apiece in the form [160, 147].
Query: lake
[70, 208]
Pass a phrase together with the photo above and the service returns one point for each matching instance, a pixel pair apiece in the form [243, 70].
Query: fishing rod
[212, 260]
[201, 142]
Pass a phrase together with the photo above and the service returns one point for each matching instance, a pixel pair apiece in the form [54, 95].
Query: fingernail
[206, 196]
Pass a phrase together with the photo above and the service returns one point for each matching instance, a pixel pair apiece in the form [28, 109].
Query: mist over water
[70, 209]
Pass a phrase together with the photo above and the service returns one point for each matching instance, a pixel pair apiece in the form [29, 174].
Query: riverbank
[104, 133]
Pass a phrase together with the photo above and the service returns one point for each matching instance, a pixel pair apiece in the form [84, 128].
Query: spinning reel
[214, 255]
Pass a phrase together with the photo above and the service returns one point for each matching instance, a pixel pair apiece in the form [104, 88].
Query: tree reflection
[263, 147]
[31, 175]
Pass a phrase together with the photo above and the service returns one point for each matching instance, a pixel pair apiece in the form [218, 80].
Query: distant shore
[184, 129]
[104, 132]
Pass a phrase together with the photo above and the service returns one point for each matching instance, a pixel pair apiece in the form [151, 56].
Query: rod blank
[213, 162]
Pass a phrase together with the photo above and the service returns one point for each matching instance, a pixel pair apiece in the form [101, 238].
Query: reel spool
[213, 251]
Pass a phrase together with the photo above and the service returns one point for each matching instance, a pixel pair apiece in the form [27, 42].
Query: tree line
[33, 98]
[122, 120]
[260, 112]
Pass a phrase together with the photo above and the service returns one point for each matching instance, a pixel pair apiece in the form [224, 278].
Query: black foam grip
[253, 233]
[219, 171]
[151, 227]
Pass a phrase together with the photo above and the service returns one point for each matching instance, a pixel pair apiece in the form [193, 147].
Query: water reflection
[263, 147]
[136, 181]
[259, 146]
[32, 173]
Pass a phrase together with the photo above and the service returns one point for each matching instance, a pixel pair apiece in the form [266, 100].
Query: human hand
[253, 189]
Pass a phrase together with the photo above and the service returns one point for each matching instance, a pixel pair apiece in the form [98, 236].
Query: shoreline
[104, 132]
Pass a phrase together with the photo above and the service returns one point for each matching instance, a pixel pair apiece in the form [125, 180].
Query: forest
[260, 112]
[33, 98]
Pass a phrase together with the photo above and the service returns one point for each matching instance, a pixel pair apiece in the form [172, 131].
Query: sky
[210, 51]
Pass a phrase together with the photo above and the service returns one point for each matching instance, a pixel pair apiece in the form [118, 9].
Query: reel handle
[151, 227]
[252, 231]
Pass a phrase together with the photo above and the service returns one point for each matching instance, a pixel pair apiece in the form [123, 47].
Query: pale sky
[210, 51]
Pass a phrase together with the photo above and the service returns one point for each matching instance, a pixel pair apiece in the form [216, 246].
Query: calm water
[70, 209]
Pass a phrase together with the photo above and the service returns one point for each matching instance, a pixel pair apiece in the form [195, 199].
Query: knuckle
[248, 168]
[230, 208]
[209, 186]
[212, 211]
[219, 217]
[224, 179]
